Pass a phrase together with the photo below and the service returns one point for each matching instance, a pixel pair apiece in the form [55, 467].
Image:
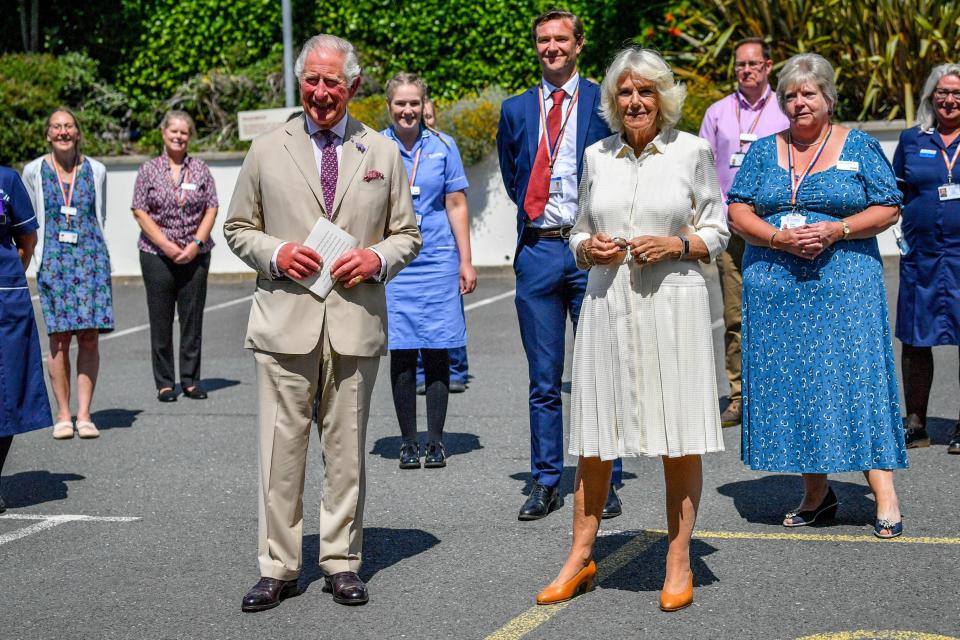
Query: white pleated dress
[643, 365]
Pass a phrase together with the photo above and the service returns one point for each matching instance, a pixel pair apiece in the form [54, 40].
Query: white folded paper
[331, 242]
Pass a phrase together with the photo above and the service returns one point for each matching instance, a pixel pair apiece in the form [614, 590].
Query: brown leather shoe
[677, 601]
[575, 586]
[268, 593]
[347, 588]
[732, 415]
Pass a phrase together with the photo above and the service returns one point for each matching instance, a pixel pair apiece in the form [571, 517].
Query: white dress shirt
[561, 209]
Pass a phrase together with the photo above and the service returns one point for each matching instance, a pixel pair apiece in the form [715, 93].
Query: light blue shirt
[561, 209]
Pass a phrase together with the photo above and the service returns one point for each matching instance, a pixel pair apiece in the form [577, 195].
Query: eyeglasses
[749, 64]
[65, 126]
[943, 94]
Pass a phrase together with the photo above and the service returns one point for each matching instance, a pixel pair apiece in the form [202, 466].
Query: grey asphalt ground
[445, 556]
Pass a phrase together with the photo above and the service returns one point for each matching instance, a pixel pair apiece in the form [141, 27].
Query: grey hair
[926, 118]
[806, 68]
[649, 65]
[177, 114]
[351, 65]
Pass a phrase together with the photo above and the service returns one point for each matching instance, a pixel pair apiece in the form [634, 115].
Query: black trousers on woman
[403, 379]
[182, 287]
[916, 363]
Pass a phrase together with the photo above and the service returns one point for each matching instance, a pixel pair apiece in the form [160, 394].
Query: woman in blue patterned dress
[23, 396]
[819, 385]
[69, 193]
[928, 309]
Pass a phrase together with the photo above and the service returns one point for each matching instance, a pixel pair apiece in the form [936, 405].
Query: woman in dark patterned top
[175, 204]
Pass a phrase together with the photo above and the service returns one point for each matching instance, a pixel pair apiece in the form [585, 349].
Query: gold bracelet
[770, 241]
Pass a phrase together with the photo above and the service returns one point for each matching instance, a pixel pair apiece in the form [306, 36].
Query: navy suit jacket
[517, 138]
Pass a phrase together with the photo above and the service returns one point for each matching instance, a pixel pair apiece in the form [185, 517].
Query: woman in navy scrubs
[928, 307]
[423, 301]
[23, 395]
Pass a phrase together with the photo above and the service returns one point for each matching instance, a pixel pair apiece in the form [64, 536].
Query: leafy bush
[33, 85]
[472, 122]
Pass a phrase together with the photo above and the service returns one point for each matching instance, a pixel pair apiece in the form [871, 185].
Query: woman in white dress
[643, 374]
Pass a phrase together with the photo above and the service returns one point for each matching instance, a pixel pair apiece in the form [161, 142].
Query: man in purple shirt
[730, 125]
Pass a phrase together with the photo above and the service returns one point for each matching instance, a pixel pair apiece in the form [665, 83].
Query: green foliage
[33, 85]
[472, 122]
[180, 37]
[882, 51]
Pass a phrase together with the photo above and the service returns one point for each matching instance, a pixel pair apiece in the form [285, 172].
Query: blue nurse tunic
[423, 300]
[928, 306]
[23, 394]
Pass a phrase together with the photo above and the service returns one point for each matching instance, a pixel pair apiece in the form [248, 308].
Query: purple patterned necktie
[328, 167]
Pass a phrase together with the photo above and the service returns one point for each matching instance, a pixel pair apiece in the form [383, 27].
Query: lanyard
[416, 164]
[181, 193]
[796, 181]
[766, 100]
[554, 150]
[949, 163]
[67, 195]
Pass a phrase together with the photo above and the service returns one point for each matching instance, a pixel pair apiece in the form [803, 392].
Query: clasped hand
[605, 250]
[809, 240]
[298, 262]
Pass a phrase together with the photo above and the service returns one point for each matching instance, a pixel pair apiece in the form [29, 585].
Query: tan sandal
[63, 430]
[87, 429]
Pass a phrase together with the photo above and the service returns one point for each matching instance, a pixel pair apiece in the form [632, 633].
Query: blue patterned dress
[74, 279]
[819, 385]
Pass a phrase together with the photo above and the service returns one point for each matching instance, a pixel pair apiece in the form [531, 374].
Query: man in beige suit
[310, 350]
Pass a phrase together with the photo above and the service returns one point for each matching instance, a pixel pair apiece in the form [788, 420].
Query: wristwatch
[684, 247]
[198, 242]
[846, 230]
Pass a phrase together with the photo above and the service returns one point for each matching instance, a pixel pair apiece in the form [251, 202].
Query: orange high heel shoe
[677, 601]
[577, 585]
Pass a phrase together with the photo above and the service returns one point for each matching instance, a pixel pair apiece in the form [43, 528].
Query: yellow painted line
[537, 615]
[814, 537]
[877, 635]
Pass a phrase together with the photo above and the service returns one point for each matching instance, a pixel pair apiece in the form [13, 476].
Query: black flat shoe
[915, 432]
[347, 588]
[825, 512]
[167, 395]
[613, 507]
[542, 501]
[436, 456]
[954, 445]
[409, 456]
[268, 593]
[195, 393]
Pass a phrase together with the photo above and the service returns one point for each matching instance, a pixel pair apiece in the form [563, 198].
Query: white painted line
[486, 301]
[37, 527]
[68, 517]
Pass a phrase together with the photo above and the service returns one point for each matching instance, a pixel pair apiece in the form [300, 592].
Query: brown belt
[553, 232]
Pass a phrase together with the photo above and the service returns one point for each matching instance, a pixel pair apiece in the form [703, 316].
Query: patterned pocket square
[373, 174]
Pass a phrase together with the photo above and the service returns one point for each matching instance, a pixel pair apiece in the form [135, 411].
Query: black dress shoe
[268, 593]
[196, 393]
[409, 456]
[915, 435]
[542, 501]
[436, 456]
[167, 395]
[347, 588]
[954, 444]
[613, 507]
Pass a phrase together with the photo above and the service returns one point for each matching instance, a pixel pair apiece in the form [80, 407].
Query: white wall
[492, 215]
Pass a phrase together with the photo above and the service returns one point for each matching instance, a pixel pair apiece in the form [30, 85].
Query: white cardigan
[34, 185]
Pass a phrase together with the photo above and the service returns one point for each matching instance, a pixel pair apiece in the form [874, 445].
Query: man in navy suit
[541, 138]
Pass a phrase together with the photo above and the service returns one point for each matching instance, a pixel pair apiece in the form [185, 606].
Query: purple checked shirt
[722, 130]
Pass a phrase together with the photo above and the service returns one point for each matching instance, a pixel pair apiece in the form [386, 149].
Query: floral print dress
[74, 279]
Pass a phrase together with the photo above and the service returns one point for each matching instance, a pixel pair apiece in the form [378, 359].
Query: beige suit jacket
[278, 198]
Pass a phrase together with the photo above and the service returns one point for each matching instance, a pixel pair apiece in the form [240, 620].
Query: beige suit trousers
[731, 285]
[287, 385]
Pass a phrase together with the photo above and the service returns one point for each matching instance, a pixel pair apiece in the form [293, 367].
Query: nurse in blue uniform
[423, 301]
[928, 306]
[23, 395]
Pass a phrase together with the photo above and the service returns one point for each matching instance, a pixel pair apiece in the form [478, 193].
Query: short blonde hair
[806, 68]
[177, 114]
[646, 64]
[926, 117]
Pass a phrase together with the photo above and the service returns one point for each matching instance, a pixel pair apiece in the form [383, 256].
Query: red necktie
[538, 188]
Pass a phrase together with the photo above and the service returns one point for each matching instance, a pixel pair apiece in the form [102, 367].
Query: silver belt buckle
[565, 232]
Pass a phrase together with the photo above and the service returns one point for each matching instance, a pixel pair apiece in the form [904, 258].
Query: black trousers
[182, 286]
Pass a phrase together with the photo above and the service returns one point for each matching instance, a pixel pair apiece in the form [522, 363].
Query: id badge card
[949, 191]
[848, 165]
[792, 221]
[419, 219]
[68, 237]
[415, 191]
[556, 186]
[737, 159]
[68, 211]
[188, 186]
[748, 137]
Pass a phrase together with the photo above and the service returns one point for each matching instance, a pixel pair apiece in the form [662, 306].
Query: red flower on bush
[675, 32]
[669, 17]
